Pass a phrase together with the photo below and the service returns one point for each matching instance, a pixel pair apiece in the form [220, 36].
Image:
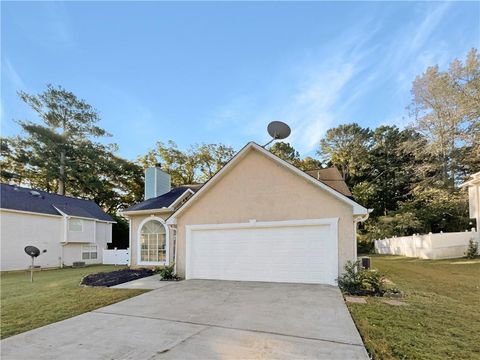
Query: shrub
[350, 281]
[472, 250]
[359, 281]
[167, 272]
[365, 247]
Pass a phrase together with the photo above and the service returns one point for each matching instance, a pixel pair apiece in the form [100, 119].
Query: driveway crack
[207, 326]
[179, 342]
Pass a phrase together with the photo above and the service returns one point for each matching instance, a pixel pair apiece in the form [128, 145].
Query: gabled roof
[164, 201]
[357, 208]
[37, 201]
[332, 177]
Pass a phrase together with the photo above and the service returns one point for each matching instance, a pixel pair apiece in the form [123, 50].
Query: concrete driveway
[202, 319]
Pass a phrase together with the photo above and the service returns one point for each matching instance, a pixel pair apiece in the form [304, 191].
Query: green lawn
[54, 295]
[442, 319]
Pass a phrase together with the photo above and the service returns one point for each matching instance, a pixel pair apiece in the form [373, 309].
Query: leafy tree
[196, 164]
[346, 147]
[285, 151]
[288, 153]
[66, 120]
[446, 109]
[309, 163]
[59, 154]
[181, 165]
[211, 158]
[438, 209]
[387, 178]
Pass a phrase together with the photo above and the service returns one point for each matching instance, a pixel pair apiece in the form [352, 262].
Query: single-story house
[70, 229]
[258, 219]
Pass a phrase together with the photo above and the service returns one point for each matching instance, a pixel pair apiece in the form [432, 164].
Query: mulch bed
[115, 277]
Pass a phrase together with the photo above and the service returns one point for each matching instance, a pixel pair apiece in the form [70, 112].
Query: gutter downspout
[356, 220]
[65, 240]
[173, 228]
[129, 241]
[65, 235]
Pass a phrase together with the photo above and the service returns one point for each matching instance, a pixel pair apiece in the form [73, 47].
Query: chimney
[157, 182]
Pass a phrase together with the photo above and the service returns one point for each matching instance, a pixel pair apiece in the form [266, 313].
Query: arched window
[153, 244]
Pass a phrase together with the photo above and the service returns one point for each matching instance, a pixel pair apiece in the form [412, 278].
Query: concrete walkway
[148, 283]
[201, 319]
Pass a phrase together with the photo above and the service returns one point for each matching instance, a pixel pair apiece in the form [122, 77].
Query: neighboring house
[258, 219]
[69, 229]
[474, 197]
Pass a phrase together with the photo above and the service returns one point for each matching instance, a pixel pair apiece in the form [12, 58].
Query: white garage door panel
[293, 253]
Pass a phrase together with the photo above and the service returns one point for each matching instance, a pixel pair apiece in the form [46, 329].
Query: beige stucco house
[69, 229]
[258, 219]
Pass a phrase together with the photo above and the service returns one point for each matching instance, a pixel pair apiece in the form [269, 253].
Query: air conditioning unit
[78, 264]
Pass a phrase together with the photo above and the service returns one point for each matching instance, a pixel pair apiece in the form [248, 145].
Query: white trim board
[357, 208]
[146, 212]
[29, 212]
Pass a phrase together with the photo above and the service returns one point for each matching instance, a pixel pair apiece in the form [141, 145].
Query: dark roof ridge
[19, 198]
[46, 192]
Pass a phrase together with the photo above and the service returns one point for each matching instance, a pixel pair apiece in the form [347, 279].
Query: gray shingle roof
[165, 200]
[37, 201]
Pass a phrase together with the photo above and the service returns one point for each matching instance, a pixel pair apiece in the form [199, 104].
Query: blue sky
[219, 72]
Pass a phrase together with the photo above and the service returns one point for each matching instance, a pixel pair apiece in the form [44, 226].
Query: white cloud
[311, 96]
[342, 75]
[8, 70]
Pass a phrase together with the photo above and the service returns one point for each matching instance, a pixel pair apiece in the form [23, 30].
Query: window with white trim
[75, 224]
[153, 242]
[89, 252]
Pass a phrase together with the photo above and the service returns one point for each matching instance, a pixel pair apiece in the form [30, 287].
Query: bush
[472, 250]
[167, 272]
[365, 247]
[359, 281]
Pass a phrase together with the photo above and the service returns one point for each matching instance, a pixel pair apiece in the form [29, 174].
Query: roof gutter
[148, 211]
[83, 217]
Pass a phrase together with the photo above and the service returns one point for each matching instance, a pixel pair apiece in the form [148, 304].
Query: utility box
[366, 263]
[78, 264]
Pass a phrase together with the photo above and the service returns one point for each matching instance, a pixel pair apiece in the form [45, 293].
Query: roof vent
[35, 193]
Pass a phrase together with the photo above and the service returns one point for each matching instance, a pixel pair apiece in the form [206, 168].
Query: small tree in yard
[472, 250]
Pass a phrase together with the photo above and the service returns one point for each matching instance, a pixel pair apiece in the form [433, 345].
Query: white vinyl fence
[429, 246]
[116, 256]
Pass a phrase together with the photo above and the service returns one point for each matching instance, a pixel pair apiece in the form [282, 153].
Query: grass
[442, 319]
[54, 295]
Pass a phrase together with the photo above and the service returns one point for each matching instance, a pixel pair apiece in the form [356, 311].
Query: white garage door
[302, 251]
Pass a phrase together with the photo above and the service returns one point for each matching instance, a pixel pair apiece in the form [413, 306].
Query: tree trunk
[61, 178]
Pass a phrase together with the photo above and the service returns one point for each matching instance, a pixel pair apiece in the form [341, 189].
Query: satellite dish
[32, 251]
[278, 130]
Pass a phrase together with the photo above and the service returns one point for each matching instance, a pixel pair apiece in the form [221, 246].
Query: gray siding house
[70, 229]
